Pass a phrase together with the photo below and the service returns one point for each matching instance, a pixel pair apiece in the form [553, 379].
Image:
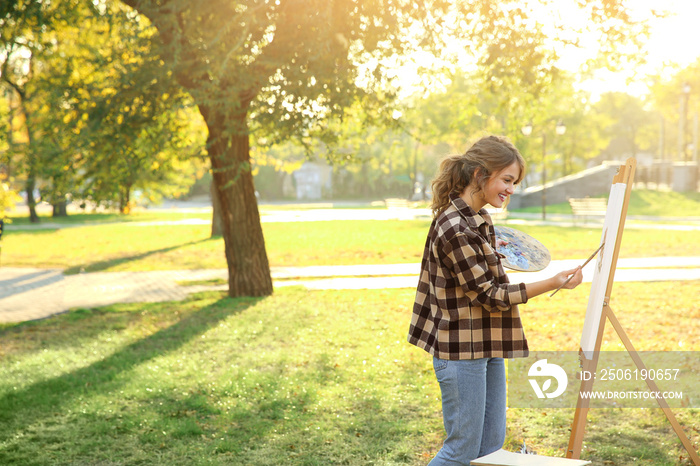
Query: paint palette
[521, 251]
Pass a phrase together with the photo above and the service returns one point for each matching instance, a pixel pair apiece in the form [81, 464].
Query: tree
[8, 197]
[283, 66]
[137, 119]
[469, 108]
[674, 108]
[22, 39]
[632, 127]
[585, 135]
[101, 113]
[280, 69]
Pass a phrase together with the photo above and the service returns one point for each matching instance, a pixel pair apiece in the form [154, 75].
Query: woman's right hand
[576, 278]
[550, 284]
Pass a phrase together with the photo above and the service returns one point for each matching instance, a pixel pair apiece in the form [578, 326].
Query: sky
[676, 38]
[673, 40]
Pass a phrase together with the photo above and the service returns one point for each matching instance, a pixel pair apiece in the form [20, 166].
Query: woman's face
[501, 185]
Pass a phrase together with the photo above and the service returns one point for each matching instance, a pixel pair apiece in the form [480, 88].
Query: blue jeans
[473, 408]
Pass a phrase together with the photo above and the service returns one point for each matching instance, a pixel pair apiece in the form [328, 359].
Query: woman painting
[466, 312]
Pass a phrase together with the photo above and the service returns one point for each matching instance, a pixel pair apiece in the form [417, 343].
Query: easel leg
[578, 427]
[652, 386]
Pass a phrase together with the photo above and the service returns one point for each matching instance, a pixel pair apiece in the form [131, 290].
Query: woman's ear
[479, 177]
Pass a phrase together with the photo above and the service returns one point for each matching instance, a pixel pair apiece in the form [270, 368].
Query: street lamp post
[695, 138]
[8, 95]
[527, 131]
[683, 137]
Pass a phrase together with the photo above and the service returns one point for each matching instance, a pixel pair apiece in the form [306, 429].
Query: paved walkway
[28, 294]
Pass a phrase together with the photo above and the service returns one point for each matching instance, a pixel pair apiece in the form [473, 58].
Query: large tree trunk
[248, 267]
[229, 152]
[217, 226]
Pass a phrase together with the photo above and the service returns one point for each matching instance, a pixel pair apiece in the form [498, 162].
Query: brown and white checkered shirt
[465, 307]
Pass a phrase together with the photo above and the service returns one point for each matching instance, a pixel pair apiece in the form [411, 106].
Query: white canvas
[601, 274]
[507, 458]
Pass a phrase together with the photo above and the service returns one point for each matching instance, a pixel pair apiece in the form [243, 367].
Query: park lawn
[323, 204]
[164, 215]
[111, 217]
[664, 204]
[643, 202]
[300, 377]
[132, 247]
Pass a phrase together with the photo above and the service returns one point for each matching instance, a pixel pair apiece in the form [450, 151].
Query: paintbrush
[584, 264]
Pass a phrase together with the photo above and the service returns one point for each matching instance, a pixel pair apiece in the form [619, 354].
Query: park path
[31, 293]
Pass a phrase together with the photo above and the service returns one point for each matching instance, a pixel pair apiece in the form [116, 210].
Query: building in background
[313, 181]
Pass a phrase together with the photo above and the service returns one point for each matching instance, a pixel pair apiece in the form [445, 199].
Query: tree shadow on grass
[106, 264]
[360, 430]
[22, 408]
[72, 329]
[271, 423]
[278, 401]
[29, 276]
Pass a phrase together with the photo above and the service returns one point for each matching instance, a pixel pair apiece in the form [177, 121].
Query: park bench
[401, 209]
[498, 214]
[588, 206]
[396, 203]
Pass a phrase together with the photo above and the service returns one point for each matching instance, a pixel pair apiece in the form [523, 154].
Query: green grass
[113, 242]
[175, 215]
[210, 282]
[126, 247]
[301, 378]
[643, 203]
[329, 204]
[113, 247]
[664, 204]
[113, 217]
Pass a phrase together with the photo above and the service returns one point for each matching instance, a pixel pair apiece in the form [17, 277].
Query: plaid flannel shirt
[465, 307]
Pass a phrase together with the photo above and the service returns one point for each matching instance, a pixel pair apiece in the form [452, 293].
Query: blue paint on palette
[520, 250]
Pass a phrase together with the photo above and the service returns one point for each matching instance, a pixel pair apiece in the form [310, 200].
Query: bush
[8, 197]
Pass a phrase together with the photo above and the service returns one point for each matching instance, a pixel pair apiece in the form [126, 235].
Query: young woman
[466, 311]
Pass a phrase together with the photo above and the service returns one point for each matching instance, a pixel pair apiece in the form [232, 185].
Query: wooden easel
[589, 352]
